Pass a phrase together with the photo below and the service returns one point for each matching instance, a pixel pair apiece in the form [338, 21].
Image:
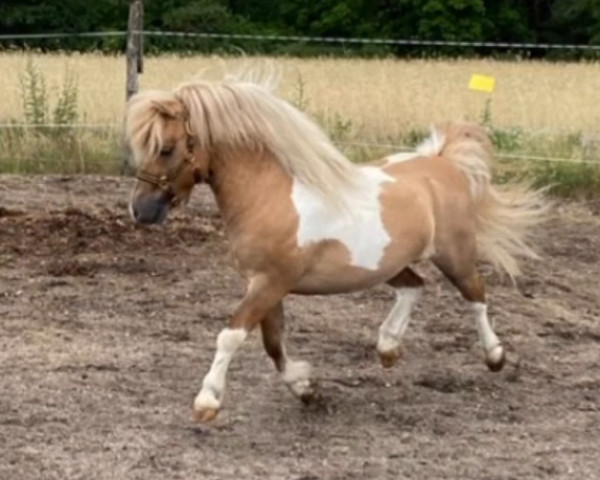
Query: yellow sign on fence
[482, 83]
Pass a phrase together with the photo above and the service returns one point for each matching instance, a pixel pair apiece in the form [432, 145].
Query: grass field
[537, 109]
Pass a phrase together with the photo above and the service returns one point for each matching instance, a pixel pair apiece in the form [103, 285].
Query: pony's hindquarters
[500, 226]
[505, 215]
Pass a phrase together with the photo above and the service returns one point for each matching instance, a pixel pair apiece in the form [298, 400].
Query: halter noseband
[165, 181]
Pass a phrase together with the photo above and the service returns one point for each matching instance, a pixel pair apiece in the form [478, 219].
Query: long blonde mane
[241, 113]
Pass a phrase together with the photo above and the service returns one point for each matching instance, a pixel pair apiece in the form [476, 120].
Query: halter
[164, 181]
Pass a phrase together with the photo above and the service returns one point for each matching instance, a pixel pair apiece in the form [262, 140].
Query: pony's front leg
[262, 296]
[295, 374]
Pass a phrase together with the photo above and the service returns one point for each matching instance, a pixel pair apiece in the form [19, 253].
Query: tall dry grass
[381, 97]
[385, 100]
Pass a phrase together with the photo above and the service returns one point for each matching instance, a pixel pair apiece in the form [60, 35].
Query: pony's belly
[333, 273]
[332, 269]
[340, 282]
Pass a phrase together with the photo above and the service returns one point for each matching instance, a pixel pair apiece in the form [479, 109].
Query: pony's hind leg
[408, 286]
[295, 374]
[472, 287]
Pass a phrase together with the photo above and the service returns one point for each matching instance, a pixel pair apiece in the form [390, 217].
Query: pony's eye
[166, 151]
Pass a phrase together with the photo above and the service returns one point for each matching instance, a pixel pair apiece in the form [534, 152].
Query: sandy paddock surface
[106, 331]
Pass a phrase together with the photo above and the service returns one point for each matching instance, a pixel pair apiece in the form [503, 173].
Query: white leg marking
[297, 376]
[489, 341]
[213, 385]
[394, 326]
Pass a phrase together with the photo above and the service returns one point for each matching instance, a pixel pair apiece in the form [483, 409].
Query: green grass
[46, 141]
[65, 150]
[43, 150]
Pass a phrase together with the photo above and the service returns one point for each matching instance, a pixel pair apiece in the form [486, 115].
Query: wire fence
[305, 39]
[592, 141]
[390, 148]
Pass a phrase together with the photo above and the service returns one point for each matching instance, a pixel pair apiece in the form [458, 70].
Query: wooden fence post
[134, 61]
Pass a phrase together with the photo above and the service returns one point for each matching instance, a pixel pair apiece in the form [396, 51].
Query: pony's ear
[168, 108]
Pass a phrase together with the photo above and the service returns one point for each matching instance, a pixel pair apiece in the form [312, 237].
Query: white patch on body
[213, 385]
[401, 157]
[361, 231]
[432, 145]
[394, 326]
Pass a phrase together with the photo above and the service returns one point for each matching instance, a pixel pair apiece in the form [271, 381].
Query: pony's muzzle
[149, 208]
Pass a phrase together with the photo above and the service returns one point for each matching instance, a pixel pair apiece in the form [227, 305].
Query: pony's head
[166, 157]
[185, 135]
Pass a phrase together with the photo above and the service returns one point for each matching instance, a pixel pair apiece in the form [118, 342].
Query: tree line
[518, 21]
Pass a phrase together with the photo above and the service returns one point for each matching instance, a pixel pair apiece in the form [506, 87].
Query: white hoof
[206, 400]
[297, 376]
[206, 406]
[387, 342]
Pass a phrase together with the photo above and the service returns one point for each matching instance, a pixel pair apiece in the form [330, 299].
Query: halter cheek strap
[164, 181]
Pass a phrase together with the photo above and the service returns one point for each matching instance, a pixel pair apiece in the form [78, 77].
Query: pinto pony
[300, 218]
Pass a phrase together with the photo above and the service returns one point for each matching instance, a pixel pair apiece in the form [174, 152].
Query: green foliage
[450, 19]
[36, 102]
[568, 179]
[299, 99]
[562, 162]
[33, 95]
[203, 16]
[581, 17]
[554, 21]
[505, 139]
[65, 111]
[338, 127]
[507, 21]
[31, 146]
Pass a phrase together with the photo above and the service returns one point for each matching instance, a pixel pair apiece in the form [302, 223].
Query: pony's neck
[245, 184]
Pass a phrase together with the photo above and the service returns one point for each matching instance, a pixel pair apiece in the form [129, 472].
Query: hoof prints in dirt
[88, 268]
[98, 375]
[73, 232]
[446, 382]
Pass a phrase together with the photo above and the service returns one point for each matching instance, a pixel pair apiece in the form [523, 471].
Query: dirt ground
[106, 331]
